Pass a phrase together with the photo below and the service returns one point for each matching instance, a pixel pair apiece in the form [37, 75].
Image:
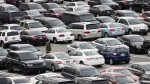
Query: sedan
[101, 10]
[88, 57]
[105, 19]
[111, 29]
[3, 54]
[44, 76]
[134, 42]
[79, 9]
[59, 34]
[32, 14]
[113, 42]
[33, 37]
[49, 6]
[18, 80]
[58, 60]
[80, 46]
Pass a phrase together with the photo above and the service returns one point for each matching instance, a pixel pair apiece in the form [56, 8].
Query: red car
[121, 70]
[146, 14]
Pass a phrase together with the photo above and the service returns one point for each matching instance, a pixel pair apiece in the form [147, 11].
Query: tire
[70, 41]
[80, 38]
[55, 41]
[148, 52]
[142, 10]
[24, 71]
[127, 62]
[82, 63]
[130, 31]
[111, 61]
[106, 35]
[53, 68]
[10, 69]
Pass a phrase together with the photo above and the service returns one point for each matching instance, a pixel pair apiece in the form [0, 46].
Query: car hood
[137, 25]
[40, 29]
[33, 61]
[134, 77]
[111, 3]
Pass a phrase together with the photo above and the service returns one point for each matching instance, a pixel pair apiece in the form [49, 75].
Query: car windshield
[121, 50]
[108, 20]
[112, 25]
[137, 39]
[54, 23]
[100, 82]
[35, 6]
[20, 80]
[124, 79]
[62, 55]
[63, 30]
[34, 12]
[146, 67]
[86, 46]
[81, 3]
[35, 33]
[59, 10]
[123, 71]
[35, 25]
[134, 21]
[90, 73]
[30, 48]
[106, 1]
[104, 8]
[28, 56]
[131, 14]
[11, 8]
[54, 6]
[113, 42]
[92, 26]
[90, 53]
[87, 17]
[3, 52]
[16, 28]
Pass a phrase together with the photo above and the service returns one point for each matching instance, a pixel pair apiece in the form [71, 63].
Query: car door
[49, 59]
[51, 34]
[126, 25]
[17, 63]
[144, 79]
[77, 55]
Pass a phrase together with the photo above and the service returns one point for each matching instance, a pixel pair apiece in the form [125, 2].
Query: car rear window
[121, 50]
[12, 33]
[91, 26]
[16, 14]
[100, 82]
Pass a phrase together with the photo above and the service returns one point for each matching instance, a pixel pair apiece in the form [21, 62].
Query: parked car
[144, 79]
[124, 4]
[24, 61]
[5, 80]
[3, 54]
[85, 30]
[49, 6]
[111, 29]
[11, 27]
[80, 46]
[74, 8]
[14, 2]
[147, 22]
[44, 76]
[16, 80]
[110, 42]
[105, 19]
[16, 47]
[59, 34]
[134, 42]
[74, 71]
[56, 1]
[8, 7]
[146, 14]
[32, 14]
[39, 1]
[139, 68]
[33, 37]
[2, 1]
[114, 55]
[121, 70]
[88, 57]
[101, 10]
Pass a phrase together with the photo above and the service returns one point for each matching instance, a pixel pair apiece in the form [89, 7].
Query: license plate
[68, 38]
[13, 38]
[122, 54]
[68, 62]
[118, 30]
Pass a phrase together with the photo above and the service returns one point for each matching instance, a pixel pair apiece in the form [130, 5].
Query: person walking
[48, 47]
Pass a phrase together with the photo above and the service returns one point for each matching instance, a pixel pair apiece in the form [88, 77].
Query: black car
[11, 17]
[24, 61]
[139, 68]
[48, 6]
[15, 2]
[147, 22]
[3, 54]
[5, 80]
[140, 5]
[32, 6]
[51, 22]
[105, 19]
[110, 3]
[134, 42]
[15, 47]
[55, 12]
[101, 10]
[74, 71]
[144, 79]
[32, 14]
[124, 4]
[33, 37]
[8, 7]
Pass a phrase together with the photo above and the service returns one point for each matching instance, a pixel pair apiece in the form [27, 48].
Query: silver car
[58, 60]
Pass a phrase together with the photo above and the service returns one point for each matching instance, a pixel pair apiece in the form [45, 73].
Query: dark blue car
[115, 54]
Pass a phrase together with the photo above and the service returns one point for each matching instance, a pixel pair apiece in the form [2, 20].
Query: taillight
[58, 15]
[45, 37]
[74, 60]
[125, 3]
[123, 28]
[34, 38]
[114, 54]
[10, 19]
[88, 58]
[112, 30]
[6, 39]
[99, 31]
[71, 34]
[87, 32]
[143, 16]
[61, 35]
[58, 62]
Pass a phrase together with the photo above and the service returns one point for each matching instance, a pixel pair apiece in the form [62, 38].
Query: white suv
[8, 37]
[11, 27]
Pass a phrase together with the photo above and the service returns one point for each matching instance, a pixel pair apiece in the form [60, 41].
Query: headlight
[29, 65]
[136, 29]
[44, 64]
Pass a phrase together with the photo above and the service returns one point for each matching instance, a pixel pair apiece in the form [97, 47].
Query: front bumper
[121, 59]
[36, 69]
[141, 31]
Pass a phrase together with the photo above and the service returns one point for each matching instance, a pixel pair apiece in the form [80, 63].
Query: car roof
[29, 21]
[6, 5]
[84, 50]
[80, 67]
[20, 77]
[76, 13]
[47, 18]
[106, 38]
[20, 51]
[126, 17]
[21, 45]
[10, 25]
[83, 23]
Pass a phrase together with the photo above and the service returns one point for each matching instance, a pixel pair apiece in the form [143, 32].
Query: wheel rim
[111, 61]
[53, 68]
[148, 52]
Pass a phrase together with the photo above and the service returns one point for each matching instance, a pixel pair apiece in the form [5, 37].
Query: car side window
[123, 21]
[139, 67]
[101, 42]
[103, 26]
[52, 31]
[79, 53]
[134, 66]
[119, 14]
[74, 53]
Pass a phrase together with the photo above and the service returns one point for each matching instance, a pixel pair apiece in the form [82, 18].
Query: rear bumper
[13, 42]
[65, 38]
[36, 69]
[94, 63]
[121, 59]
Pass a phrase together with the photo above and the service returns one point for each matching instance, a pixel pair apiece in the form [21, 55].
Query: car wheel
[130, 31]
[80, 38]
[142, 10]
[111, 61]
[2, 44]
[106, 35]
[24, 71]
[70, 41]
[9, 68]
[127, 62]
[82, 63]
[55, 40]
[148, 52]
[53, 68]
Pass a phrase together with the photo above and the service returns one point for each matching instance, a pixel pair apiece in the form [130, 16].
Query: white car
[44, 76]
[78, 8]
[59, 34]
[80, 46]
[78, 3]
[88, 57]
[18, 80]
[11, 27]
